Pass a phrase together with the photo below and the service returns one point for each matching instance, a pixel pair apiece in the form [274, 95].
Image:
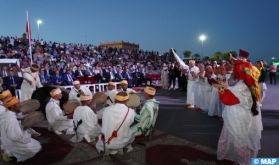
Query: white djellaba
[191, 86]
[240, 137]
[112, 118]
[206, 90]
[75, 95]
[89, 128]
[14, 141]
[56, 119]
[215, 107]
[27, 89]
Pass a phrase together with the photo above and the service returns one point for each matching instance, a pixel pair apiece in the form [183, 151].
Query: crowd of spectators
[61, 63]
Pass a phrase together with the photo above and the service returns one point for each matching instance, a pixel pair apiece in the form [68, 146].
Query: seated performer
[85, 121]
[77, 90]
[148, 113]
[124, 87]
[4, 96]
[111, 93]
[15, 142]
[55, 116]
[116, 126]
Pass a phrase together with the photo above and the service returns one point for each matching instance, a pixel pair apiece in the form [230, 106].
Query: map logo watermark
[261, 161]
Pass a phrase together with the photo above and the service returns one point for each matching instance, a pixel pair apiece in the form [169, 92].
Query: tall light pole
[39, 22]
[202, 38]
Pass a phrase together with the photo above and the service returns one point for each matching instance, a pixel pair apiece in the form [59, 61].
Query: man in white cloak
[116, 126]
[56, 119]
[111, 93]
[124, 87]
[3, 96]
[78, 90]
[31, 81]
[85, 121]
[192, 79]
[16, 142]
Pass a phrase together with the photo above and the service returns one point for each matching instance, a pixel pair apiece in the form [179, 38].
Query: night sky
[252, 25]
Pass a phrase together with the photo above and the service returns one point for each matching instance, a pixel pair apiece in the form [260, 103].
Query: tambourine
[29, 105]
[134, 101]
[70, 106]
[32, 119]
[100, 98]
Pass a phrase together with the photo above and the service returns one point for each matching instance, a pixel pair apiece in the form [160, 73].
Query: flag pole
[29, 37]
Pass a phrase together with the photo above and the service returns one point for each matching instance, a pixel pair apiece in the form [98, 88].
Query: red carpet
[54, 150]
[176, 155]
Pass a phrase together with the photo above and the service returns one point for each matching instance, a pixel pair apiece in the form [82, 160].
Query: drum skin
[32, 119]
[43, 95]
[134, 101]
[70, 106]
[100, 98]
[29, 105]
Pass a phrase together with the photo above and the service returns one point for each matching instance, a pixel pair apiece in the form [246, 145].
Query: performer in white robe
[148, 114]
[215, 106]
[207, 94]
[85, 121]
[192, 79]
[207, 88]
[25, 119]
[165, 76]
[113, 116]
[199, 88]
[55, 116]
[124, 87]
[240, 137]
[77, 90]
[3, 96]
[111, 93]
[16, 142]
[31, 81]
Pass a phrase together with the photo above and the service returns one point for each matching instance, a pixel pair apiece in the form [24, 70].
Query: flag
[181, 62]
[28, 31]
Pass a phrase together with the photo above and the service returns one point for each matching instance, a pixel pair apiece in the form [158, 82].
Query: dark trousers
[138, 81]
[272, 78]
[182, 82]
[172, 80]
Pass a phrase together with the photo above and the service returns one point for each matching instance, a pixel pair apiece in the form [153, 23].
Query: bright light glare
[202, 37]
[39, 22]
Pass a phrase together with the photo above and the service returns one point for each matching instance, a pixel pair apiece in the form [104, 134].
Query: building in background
[121, 44]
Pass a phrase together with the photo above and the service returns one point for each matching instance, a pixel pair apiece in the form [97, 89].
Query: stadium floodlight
[202, 38]
[39, 22]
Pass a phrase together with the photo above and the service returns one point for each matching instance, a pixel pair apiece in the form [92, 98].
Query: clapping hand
[193, 74]
[220, 84]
